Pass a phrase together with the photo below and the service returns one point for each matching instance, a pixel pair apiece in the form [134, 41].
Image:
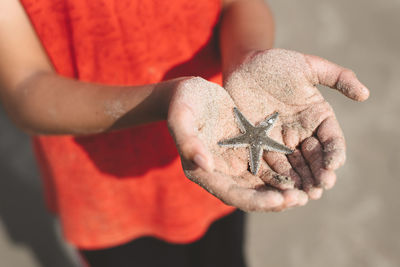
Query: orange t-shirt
[111, 188]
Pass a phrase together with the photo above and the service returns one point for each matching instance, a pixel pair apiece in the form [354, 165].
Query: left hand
[285, 81]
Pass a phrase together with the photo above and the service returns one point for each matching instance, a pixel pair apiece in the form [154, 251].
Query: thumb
[193, 150]
[183, 129]
[337, 77]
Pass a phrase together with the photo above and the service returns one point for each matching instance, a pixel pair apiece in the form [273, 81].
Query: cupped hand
[200, 115]
[285, 81]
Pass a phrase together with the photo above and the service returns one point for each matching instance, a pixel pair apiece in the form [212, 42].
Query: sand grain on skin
[278, 73]
[114, 109]
[279, 80]
[215, 121]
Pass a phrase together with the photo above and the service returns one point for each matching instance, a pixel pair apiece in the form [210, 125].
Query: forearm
[246, 26]
[46, 103]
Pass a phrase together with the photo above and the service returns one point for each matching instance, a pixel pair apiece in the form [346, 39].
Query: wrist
[165, 92]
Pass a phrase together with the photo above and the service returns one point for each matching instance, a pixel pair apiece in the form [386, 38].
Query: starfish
[256, 138]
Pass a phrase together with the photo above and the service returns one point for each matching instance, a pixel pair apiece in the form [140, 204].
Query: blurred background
[357, 223]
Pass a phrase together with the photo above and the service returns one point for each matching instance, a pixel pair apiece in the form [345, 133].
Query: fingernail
[200, 161]
[365, 90]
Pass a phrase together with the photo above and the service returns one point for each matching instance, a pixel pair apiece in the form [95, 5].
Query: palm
[201, 115]
[284, 81]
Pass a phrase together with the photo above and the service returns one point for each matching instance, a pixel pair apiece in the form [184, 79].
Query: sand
[215, 121]
[273, 81]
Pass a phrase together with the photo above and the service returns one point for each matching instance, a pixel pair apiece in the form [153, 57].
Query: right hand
[200, 115]
[284, 81]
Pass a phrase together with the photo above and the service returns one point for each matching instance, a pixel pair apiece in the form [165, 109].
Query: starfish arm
[271, 145]
[244, 124]
[238, 141]
[269, 122]
[255, 158]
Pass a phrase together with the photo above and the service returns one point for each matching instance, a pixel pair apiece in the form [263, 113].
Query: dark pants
[221, 246]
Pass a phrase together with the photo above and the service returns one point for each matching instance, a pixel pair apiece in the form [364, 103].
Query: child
[95, 81]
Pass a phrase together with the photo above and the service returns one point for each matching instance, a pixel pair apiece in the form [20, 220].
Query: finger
[280, 164]
[312, 151]
[298, 162]
[261, 199]
[290, 136]
[255, 200]
[189, 145]
[275, 179]
[223, 187]
[334, 147]
[295, 197]
[337, 77]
